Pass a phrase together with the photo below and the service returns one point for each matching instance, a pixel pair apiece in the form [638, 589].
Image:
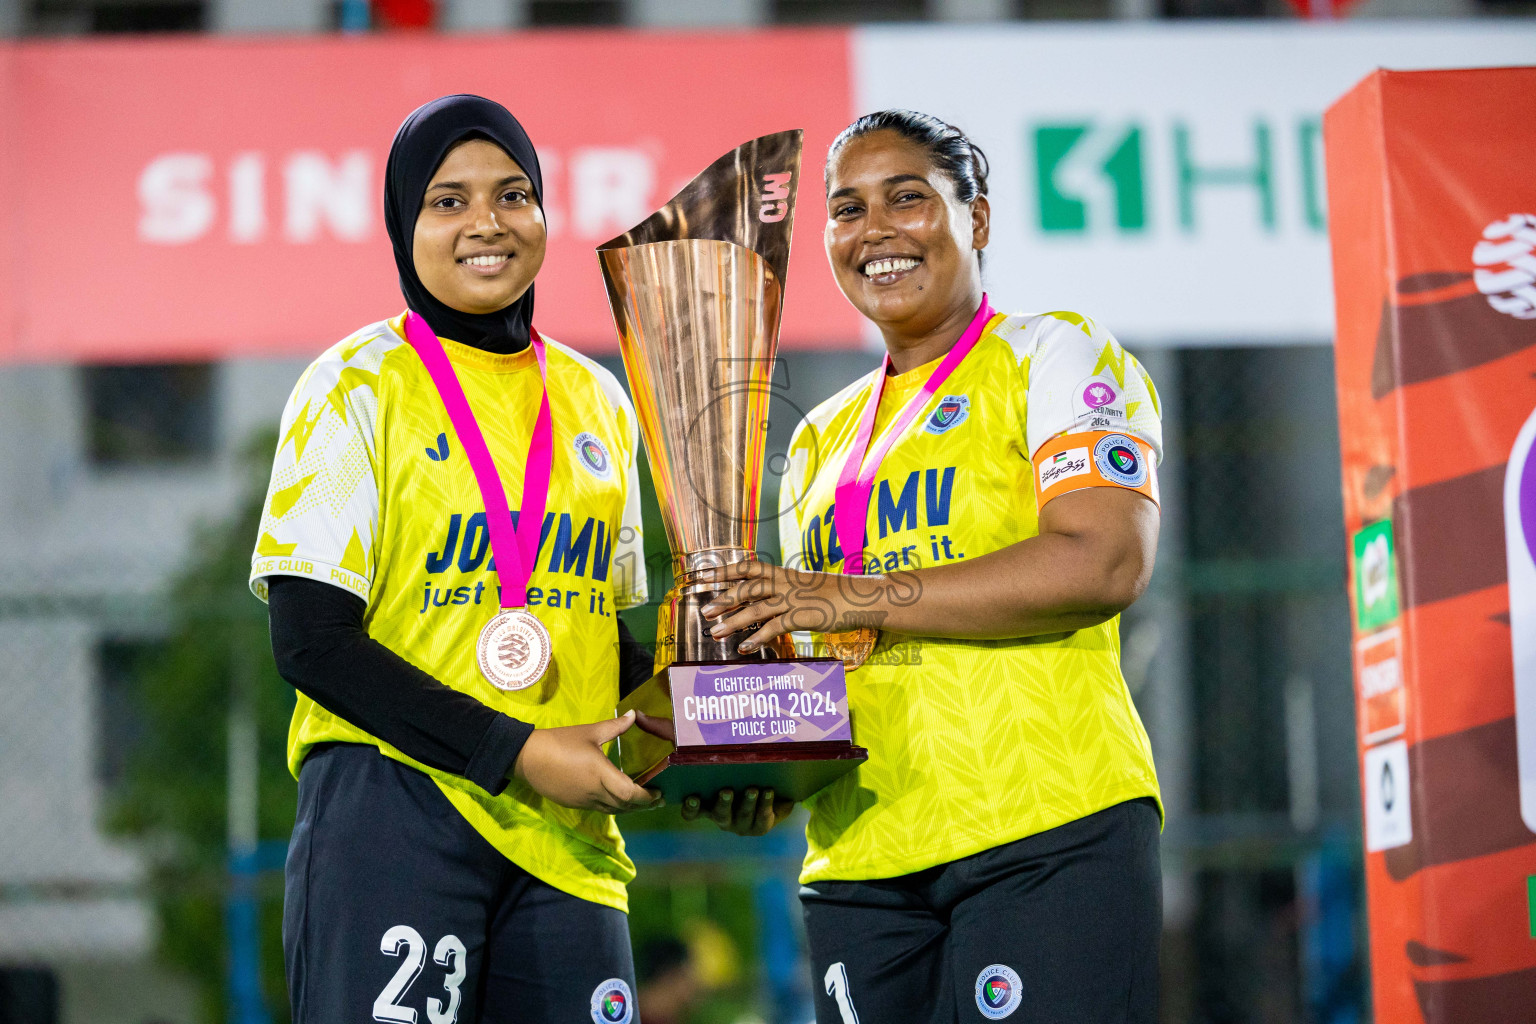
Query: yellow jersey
[976, 743]
[371, 492]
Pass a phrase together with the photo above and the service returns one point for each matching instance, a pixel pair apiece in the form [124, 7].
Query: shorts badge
[612, 1003]
[998, 991]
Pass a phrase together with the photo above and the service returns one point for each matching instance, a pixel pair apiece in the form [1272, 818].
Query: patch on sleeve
[1070, 462]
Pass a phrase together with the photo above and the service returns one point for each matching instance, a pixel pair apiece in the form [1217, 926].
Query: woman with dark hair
[456, 661]
[985, 503]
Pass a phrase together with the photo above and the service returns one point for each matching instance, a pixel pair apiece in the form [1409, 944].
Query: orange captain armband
[1094, 459]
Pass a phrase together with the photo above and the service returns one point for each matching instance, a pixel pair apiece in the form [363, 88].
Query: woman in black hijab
[454, 852]
[422, 142]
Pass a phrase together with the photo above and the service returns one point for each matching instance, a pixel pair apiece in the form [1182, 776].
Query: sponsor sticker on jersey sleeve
[1063, 466]
[1119, 460]
[1099, 397]
[1070, 462]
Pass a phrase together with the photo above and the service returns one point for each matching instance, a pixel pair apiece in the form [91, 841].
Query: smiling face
[480, 236]
[902, 246]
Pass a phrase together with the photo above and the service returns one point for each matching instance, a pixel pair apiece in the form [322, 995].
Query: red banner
[10, 208]
[214, 197]
[1432, 203]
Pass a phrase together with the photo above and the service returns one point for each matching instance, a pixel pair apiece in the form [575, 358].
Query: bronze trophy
[697, 290]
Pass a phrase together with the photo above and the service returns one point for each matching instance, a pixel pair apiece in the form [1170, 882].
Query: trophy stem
[689, 566]
[691, 636]
[682, 632]
[692, 640]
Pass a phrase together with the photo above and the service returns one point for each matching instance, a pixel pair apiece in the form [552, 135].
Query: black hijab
[420, 145]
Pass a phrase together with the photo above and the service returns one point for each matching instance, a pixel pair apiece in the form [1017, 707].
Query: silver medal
[514, 650]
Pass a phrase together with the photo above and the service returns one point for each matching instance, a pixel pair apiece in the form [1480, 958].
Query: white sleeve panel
[320, 520]
[1081, 380]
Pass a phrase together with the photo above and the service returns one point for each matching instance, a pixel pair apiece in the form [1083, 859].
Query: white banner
[1166, 180]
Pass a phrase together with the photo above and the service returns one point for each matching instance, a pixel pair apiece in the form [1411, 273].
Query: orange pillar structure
[1432, 194]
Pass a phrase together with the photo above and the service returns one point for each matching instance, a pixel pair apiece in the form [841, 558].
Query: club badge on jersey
[515, 648]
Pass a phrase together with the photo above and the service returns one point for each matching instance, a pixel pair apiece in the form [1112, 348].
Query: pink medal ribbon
[857, 481]
[514, 648]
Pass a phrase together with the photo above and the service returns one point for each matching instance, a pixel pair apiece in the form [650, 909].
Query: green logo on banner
[1117, 159]
[1375, 576]
[1098, 177]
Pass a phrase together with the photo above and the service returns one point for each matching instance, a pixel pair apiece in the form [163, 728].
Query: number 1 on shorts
[836, 980]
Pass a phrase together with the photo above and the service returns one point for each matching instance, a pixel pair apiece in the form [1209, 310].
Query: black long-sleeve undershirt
[325, 652]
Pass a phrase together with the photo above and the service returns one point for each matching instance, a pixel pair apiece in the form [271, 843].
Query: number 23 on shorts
[450, 953]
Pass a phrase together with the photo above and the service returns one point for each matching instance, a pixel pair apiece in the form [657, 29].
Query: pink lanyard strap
[515, 548]
[857, 481]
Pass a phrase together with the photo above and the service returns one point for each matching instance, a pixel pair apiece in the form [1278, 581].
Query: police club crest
[593, 455]
[951, 411]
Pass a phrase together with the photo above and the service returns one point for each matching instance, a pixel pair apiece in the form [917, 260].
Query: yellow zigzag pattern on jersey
[268, 547]
[350, 378]
[1112, 358]
[1083, 323]
[1157, 403]
[303, 426]
[353, 559]
[351, 348]
[289, 496]
[947, 762]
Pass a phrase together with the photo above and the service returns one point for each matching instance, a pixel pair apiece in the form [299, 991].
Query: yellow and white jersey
[976, 743]
[372, 492]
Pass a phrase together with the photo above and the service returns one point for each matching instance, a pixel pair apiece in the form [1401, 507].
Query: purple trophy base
[704, 727]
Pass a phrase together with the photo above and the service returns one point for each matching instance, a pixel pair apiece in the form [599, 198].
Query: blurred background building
[142, 794]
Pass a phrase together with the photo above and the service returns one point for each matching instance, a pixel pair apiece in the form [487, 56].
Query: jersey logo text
[895, 512]
[577, 552]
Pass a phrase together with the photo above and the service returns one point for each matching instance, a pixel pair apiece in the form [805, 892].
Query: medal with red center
[514, 649]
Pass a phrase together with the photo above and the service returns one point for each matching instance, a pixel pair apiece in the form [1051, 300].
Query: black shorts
[396, 909]
[1057, 928]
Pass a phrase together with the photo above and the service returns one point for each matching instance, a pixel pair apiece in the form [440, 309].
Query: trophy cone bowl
[697, 290]
[698, 348]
